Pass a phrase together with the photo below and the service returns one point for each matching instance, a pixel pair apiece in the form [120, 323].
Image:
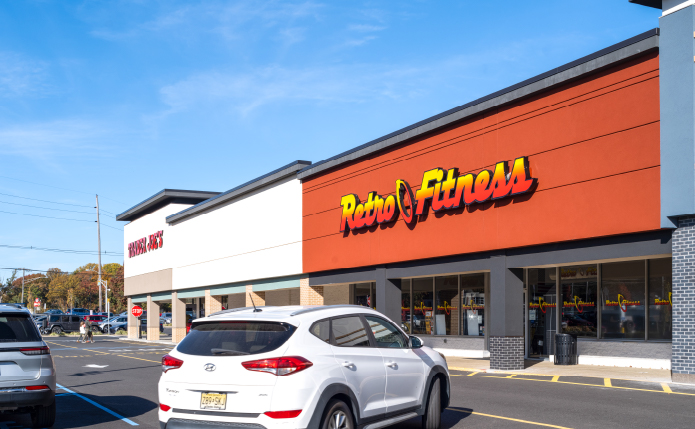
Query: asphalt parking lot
[112, 383]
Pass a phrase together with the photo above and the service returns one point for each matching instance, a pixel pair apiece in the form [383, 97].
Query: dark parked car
[57, 323]
[53, 311]
[79, 311]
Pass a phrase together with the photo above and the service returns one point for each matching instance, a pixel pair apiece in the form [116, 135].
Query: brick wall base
[507, 353]
[258, 297]
[132, 332]
[683, 344]
[213, 303]
[310, 295]
[177, 334]
[153, 333]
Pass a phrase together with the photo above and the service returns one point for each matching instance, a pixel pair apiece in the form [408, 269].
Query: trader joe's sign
[146, 244]
[441, 189]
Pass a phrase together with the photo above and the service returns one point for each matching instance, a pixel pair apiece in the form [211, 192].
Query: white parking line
[113, 413]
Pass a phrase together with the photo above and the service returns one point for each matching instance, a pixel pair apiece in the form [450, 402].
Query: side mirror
[415, 342]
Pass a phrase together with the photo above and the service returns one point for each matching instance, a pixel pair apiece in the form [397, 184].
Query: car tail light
[170, 362]
[283, 414]
[278, 366]
[164, 407]
[37, 387]
[36, 351]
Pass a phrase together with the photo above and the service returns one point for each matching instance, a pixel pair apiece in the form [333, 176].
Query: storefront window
[660, 299]
[579, 286]
[541, 311]
[423, 320]
[622, 300]
[446, 313]
[364, 295]
[406, 308]
[473, 305]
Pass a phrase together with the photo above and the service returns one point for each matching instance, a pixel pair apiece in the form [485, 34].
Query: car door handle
[392, 364]
[347, 364]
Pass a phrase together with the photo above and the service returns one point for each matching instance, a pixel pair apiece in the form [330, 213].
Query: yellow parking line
[508, 418]
[607, 382]
[130, 357]
[666, 388]
[472, 373]
[146, 360]
[555, 378]
[596, 385]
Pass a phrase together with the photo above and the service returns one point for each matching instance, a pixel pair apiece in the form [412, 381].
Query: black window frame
[330, 330]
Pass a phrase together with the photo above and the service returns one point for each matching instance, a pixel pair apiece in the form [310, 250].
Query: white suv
[337, 367]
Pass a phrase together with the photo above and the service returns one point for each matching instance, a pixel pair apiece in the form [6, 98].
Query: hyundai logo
[210, 367]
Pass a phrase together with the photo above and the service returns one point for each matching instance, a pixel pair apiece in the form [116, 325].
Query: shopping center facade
[563, 204]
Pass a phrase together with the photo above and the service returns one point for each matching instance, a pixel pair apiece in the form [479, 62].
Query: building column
[388, 296]
[132, 321]
[152, 319]
[310, 295]
[507, 316]
[197, 308]
[178, 318]
[213, 304]
[683, 301]
[258, 297]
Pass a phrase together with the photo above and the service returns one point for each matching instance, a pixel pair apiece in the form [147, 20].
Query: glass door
[542, 319]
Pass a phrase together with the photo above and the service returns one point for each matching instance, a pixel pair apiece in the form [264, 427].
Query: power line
[56, 187]
[46, 201]
[45, 208]
[59, 218]
[84, 273]
[79, 252]
[112, 227]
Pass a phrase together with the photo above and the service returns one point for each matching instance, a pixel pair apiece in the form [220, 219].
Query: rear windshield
[17, 329]
[235, 338]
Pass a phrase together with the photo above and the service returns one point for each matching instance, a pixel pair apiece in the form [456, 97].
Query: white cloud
[49, 141]
[20, 76]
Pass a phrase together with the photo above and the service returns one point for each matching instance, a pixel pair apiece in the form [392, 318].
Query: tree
[119, 303]
[64, 291]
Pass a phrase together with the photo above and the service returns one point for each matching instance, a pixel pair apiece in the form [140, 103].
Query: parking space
[112, 383]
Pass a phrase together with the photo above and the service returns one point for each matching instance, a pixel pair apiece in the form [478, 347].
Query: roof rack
[234, 310]
[325, 307]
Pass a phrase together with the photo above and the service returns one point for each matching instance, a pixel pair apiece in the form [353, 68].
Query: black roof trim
[250, 186]
[445, 118]
[162, 197]
[649, 3]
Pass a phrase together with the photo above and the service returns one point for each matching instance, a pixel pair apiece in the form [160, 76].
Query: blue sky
[125, 98]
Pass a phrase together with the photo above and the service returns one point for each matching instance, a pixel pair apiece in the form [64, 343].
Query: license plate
[213, 401]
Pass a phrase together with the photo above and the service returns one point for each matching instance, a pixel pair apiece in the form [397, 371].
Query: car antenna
[255, 310]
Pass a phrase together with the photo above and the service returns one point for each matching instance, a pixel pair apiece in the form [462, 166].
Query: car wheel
[337, 416]
[43, 417]
[95, 329]
[56, 330]
[433, 415]
[105, 329]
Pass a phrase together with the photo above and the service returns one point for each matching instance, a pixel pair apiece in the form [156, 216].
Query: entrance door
[542, 319]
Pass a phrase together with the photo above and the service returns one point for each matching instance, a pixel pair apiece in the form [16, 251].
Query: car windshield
[235, 338]
[17, 328]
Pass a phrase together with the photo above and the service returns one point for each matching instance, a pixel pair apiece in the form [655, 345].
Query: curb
[170, 343]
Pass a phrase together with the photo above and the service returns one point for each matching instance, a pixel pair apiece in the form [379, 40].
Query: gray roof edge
[619, 52]
[250, 186]
[160, 196]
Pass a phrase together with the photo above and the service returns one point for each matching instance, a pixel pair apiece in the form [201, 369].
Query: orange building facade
[490, 228]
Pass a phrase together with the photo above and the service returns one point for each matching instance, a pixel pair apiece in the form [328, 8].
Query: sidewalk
[537, 367]
[137, 340]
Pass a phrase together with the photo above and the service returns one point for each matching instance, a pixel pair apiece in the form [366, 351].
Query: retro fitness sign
[441, 189]
[146, 244]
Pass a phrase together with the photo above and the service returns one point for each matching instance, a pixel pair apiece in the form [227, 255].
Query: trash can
[565, 349]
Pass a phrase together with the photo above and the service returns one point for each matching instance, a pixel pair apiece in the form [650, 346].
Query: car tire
[56, 330]
[44, 417]
[433, 414]
[105, 330]
[337, 416]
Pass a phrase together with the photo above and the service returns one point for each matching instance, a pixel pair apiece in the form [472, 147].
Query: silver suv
[27, 372]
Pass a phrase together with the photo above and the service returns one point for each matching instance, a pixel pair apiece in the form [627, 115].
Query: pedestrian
[88, 328]
[83, 332]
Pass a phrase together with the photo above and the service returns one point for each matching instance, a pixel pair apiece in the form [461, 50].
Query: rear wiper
[227, 352]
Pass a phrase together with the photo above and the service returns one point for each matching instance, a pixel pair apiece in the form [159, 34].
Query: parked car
[304, 367]
[114, 327]
[108, 315]
[95, 319]
[165, 318]
[143, 323]
[53, 311]
[106, 325]
[58, 323]
[78, 311]
[28, 377]
[39, 321]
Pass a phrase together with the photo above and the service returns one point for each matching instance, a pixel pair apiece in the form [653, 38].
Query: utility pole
[22, 300]
[99, 245]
